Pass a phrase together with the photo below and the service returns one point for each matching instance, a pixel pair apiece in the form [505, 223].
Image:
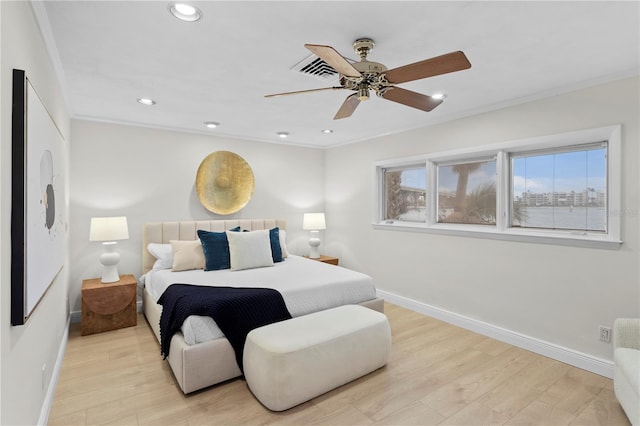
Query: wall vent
[316, 67]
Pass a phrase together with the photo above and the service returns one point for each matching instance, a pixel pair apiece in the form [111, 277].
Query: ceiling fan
[366, 76]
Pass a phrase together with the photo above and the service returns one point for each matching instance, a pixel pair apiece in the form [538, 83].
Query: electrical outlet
[605, 334]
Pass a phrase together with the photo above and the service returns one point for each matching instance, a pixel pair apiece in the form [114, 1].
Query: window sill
[565, 238]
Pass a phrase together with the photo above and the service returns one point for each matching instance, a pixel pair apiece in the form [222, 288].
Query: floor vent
[316, 67]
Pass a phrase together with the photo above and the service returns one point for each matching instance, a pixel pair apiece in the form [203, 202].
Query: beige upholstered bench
[293, 361]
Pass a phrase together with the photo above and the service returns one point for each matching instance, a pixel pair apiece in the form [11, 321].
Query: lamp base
[110, 274]
[110, 259]
[314, 242]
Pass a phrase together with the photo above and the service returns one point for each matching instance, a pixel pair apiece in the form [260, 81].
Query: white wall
[26, 349]
[557, 294]
[149, 175]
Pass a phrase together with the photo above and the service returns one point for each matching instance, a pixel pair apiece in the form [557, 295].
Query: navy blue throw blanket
[236, 311]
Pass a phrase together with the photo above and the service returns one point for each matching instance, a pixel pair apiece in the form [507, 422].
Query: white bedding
[306, 285]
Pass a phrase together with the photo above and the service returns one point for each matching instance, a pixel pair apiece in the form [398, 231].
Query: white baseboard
[76, 316]
[53, 382]
[569, 356]
[551, 350]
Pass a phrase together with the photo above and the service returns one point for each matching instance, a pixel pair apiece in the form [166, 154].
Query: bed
[200, 355]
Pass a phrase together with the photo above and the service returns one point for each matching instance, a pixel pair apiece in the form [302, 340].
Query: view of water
[587, 218]
[579, 218]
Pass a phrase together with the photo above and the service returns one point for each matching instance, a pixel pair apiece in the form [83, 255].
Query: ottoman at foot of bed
[293, 361]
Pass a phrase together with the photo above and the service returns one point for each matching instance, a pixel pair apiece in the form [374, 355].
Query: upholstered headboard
[162, 232]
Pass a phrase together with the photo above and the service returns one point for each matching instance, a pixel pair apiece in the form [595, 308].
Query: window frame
[404, 167]
[611, 239]
[448, 163]
[565, 149]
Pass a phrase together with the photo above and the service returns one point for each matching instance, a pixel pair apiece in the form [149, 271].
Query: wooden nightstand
[326, 259]
[108, 306]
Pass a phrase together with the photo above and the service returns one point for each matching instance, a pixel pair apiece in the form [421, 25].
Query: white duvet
[306, 285]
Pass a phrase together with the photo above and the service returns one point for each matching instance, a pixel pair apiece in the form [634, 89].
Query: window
[559, 189]
[405, 193]
[467, 192]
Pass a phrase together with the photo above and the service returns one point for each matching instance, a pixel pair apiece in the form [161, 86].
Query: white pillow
[283, 242]
[187, 255]
[249, 249]
[163, 254]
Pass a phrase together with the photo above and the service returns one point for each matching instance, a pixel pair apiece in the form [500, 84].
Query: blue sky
[561, 172]
[564, 172]
[414, 178]
[448, 179]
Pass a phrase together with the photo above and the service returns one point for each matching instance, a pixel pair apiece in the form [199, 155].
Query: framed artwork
[38, 228]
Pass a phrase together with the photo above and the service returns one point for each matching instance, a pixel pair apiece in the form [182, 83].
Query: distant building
[588, 197]
[414, 197]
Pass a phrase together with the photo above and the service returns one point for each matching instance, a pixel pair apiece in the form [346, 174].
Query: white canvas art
[45, 199]
[43, 228]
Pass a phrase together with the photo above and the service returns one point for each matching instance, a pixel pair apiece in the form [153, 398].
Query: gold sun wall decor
[224, 182]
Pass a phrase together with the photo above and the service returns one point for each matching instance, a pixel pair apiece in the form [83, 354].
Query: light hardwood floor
[437, 374]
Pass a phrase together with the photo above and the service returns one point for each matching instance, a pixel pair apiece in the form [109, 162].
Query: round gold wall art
[224, 182]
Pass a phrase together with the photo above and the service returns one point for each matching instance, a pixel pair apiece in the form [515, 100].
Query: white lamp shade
[313, 222]
[108, 229]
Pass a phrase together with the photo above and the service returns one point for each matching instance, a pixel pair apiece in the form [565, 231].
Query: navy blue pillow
[276, 250]
[215, 247]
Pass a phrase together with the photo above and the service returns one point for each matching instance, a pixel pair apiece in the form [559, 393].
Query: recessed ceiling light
[146, 101]
[185, 12]
[211, 124]
[438, 96]
[327, 131]
[282, 135]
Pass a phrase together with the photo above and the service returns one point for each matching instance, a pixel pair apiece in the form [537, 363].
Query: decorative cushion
[215, 247]
[283, 243]
[277, 239]
[163, 254]
[274, 240]
[187, 255]
[249, 249]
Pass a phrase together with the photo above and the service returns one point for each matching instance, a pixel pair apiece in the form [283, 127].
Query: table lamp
[314, 222]
[108, 230]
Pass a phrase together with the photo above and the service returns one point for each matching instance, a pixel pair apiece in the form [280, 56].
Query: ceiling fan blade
[450, 62]
[333, 58]
[348, 107]
[303, 91]
[409, 98]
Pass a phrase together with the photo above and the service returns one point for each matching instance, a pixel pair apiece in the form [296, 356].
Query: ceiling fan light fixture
[363, 93]
[364, 76]
[211, 124]
[283, 135]
[185, 12]
[146, 101]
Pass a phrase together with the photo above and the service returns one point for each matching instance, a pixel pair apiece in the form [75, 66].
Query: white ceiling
[110, 53]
